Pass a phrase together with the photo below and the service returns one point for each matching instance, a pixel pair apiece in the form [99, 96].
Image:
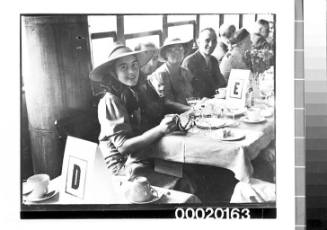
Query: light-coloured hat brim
[162, 50]
[142, 56]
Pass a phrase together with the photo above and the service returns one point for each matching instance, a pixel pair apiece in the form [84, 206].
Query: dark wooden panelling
[56, 81]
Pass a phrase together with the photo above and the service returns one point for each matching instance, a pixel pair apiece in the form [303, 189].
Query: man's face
[127, 70]
[207, 42]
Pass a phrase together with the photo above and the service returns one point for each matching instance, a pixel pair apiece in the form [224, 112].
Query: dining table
[202, 146]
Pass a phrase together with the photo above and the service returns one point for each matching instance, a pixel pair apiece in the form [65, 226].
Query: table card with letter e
[237, 88]
[84, 172]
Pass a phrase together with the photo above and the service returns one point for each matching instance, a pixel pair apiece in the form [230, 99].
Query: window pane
[248, 21]
[132, 43]
[232, 19]
[182, 32]
[178, 18]
[100, 50]
[142, 23]
[209, 21]
[102, 23]
[268, 17]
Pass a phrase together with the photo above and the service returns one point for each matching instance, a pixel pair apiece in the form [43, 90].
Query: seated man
[204, 67]
[226, 33]
[260, 35]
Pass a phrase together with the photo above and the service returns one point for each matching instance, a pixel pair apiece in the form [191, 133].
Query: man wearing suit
[204, 67]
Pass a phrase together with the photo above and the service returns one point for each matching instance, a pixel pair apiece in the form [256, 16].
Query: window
[248, 21]
[268, 17]
[209, 21]
[142, 23]
[232, 19]
[100, 50]
[148, 28]
[182, 32]
[131, 43]
[102, 23]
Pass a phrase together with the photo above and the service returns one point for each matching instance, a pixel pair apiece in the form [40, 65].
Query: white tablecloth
[204, 148]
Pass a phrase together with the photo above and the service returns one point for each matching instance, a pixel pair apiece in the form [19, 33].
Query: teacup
[39, 184]
[254, 114]
[140, 190]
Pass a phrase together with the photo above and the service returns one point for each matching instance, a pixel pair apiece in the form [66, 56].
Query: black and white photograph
[148, 115]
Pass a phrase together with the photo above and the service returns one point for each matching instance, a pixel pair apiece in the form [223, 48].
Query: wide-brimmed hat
[170, 42]
[119, 51]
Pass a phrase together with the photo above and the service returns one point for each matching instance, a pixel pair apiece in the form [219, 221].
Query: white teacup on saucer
[38, 184]
[254, 114]
[140, 190]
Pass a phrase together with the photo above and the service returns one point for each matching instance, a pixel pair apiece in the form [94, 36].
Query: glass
[266, 87]
[192, 101]
[207, 132]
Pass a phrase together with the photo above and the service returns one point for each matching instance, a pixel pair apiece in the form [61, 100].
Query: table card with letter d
[84, 174]
[237, 88]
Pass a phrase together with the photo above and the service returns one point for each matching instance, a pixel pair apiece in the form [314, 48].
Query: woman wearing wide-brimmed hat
[125, 146]
[176, 79]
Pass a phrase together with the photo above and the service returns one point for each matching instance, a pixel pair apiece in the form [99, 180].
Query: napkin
[256, 191]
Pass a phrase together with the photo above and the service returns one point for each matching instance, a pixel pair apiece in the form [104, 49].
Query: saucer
[26, 188]
[235, 136]
[43, 198]
[154, 198]
[247, 120]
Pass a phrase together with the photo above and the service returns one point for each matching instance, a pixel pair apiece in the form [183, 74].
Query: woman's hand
[168, 123]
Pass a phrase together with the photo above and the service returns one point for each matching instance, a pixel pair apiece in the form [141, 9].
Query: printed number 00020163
[212, 213]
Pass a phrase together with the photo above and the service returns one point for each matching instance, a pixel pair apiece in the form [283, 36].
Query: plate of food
[209, 123]
[230, 135]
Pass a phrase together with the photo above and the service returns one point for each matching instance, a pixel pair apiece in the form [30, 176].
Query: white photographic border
[10, 94]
